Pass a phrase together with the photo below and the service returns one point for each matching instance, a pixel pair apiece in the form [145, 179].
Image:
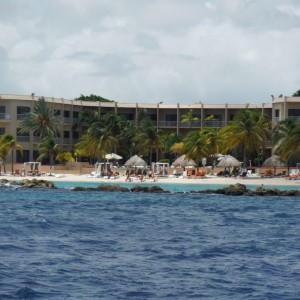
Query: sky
[142, 51]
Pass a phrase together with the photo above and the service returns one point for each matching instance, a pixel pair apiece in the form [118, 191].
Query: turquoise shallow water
[170, 187]
[62, 244]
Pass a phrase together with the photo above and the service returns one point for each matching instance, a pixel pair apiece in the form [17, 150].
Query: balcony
[187, 125]
[4, 116]
[67, 120]
[167, 124]
[214, 124]
[36, 139]
[23, 139]
[22, 116]
[66, 141]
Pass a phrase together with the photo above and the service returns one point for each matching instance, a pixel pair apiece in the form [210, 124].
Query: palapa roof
[135, 161]
[184, 161]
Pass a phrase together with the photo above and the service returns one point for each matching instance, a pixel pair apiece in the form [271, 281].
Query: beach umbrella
[110, 156]
[135, 161]
[273, 161]
[228, 161]
[183, 161]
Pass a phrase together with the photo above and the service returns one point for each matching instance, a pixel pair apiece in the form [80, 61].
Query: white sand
[252, 180]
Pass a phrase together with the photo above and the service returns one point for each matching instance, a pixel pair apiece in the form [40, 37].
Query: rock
[147, 189]
[103, 187]
[35, 183]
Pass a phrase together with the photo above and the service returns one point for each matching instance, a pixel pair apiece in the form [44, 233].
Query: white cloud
[145, 51]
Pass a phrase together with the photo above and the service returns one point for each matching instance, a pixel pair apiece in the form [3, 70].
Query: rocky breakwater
[241, 190]
[117, 188]
[26, 183]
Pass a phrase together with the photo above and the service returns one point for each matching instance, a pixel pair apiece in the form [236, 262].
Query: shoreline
[208, 180]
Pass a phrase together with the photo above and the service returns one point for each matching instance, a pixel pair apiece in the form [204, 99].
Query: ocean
[62, 244]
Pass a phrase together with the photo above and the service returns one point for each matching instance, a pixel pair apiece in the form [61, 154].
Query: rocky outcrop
[241, 190]
[117, 188]
[148, 189]
[103, 188]
[26, 183]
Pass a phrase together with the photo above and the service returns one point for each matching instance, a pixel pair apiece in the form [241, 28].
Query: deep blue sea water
[62, 244]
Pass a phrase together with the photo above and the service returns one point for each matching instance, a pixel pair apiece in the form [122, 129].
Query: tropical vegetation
[41, 121]
[8, 145]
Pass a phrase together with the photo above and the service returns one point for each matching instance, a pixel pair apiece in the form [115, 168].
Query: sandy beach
[209, 179]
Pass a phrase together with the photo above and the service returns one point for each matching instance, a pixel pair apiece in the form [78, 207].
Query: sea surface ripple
[95, 245]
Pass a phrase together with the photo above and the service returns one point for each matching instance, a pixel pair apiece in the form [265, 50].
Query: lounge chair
[200, 174]
[268, 174]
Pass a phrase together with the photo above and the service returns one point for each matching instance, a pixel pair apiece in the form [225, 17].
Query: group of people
[140, 175]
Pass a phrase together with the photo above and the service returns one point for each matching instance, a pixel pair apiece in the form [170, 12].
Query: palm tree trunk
[12, 162]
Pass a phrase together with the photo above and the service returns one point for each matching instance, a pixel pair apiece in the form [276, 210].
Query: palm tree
[286, 139]
[48, 149]
[127, 141]
[87, 117]
[194, 146]
[249, 131]
[41, 121]
[189, 118]
[213, 142]
[105, 132]
[87, 147]
[177, 148]
[148, 138]
[8, 144]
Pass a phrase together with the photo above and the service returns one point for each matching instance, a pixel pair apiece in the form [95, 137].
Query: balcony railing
[163, 124]
[188, 125]
[67, 141]
[21, 116]
[214, 124]
[36, 139]
[5, 116]
[67, 120]
[23, 139]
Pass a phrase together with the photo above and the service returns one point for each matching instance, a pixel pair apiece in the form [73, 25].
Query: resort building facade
[166, 117]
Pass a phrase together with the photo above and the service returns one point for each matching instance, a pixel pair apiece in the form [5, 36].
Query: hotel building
[166, 117]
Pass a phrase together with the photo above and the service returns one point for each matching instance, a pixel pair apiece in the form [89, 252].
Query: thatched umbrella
[135, 161]
[183, 161]
[273, 161]
[110, 156]
[228, 161]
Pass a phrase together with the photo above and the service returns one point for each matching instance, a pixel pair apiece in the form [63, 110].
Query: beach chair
[267, 174]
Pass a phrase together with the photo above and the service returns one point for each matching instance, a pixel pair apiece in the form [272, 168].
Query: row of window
[22, 110]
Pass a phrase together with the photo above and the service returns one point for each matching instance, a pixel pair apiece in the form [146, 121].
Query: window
[276, 113]
[66, 134]
[35, 154]
[22, 137]
[22, 111]
[2, 109]
[128, 117]
[66, 114]
[294, 112]
[75, 114]
[56, 112]
[153, 117]
[171, 118]
[21, 134]
[2, 131]
[75, 134]
[22, 158]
